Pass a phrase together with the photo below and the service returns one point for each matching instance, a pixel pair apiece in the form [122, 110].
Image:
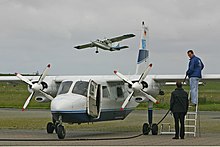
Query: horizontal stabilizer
[121, 47]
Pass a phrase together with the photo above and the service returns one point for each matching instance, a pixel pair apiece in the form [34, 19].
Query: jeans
[194, 82]
[179, 117]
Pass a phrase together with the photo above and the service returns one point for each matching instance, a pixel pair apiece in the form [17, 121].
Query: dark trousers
[179, 117]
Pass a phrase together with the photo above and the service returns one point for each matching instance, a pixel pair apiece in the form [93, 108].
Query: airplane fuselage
[103, 45]
[73, 106]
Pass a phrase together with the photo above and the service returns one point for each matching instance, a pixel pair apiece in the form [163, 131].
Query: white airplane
[84, 99]
[111, 44]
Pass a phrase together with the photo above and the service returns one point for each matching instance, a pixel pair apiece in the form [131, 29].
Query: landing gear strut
[58, 127]
[96, 51]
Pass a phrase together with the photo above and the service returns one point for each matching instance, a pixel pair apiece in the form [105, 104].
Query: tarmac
[208, 134]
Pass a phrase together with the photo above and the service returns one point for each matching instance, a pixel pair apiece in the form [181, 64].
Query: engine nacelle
[41, 99]
[141, 100]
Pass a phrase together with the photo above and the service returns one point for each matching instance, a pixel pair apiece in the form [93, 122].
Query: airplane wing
[84, 46]
[120, 38]
[165, 79]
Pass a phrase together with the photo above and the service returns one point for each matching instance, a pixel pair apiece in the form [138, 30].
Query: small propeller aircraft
[111, 44]
[84, 99]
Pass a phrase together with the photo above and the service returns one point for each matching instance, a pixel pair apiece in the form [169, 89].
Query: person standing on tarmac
[179, 106]
[194, 74]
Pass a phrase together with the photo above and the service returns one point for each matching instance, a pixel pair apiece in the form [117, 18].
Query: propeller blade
[150, 97]
[46, 95]
[145, 73]
[124, 78]
[28, 101]
[24, 79]
[126, 101]
[44, 74]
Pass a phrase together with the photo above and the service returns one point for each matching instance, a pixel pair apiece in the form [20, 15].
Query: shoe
[175, 138]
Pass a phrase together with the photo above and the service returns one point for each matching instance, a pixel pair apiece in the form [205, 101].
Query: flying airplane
[111, 44]
[85, 99]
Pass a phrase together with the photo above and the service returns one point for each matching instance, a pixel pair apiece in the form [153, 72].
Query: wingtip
[151, 65]
[115, 71]
[121, 109]
[48, 65]
[157, 102]
[23, 109]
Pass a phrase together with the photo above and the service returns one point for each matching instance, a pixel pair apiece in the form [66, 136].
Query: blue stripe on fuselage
[81, 116]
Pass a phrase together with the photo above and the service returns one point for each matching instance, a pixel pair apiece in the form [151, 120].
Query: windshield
[64, 87]
[81, 88]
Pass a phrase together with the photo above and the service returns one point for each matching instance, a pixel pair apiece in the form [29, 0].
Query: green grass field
[14, 96]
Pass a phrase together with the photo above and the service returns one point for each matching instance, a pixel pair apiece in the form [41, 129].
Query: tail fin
[143, 54]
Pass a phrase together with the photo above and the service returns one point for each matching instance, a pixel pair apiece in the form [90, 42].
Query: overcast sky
[34, 33]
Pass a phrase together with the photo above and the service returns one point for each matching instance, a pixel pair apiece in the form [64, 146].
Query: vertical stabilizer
[143, 54]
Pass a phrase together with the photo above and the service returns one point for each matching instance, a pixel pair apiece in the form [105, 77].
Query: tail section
[143, 54]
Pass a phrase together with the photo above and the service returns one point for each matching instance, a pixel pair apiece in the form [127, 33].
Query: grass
[13, 95]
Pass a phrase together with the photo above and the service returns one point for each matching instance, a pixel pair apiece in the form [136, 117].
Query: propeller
[36, 87]
[137, 86]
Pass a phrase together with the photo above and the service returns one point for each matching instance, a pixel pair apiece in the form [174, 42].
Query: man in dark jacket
[194, 73]
[179, 106]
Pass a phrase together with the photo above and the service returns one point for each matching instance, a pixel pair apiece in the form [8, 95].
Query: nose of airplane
[68, 103]
[61, 104]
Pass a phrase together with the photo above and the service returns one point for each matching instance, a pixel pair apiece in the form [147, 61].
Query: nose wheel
[61, 132]
[58, 127]
[50, 127]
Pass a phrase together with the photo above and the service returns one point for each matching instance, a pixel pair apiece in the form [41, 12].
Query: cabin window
[105, 92]
[81, 88]
[64, 87]
[120, 92]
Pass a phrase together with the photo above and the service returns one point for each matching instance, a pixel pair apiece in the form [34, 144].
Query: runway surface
[131, 126]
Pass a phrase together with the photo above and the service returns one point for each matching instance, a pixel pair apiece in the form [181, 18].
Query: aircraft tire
[50, 127]
[61, 132]
[154, 129]
[146, 129]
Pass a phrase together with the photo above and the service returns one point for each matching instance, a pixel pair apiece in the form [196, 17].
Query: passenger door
[93, 99]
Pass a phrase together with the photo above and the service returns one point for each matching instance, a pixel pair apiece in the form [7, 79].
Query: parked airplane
[111, 44]
[84, 99]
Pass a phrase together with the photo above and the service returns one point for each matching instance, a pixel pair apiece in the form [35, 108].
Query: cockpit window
[81, 88]
[64, 87]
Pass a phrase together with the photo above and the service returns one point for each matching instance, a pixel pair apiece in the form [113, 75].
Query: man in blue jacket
[194, 74]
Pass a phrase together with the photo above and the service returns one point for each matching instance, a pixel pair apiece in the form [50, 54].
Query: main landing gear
[147, 127]
[58, 127]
